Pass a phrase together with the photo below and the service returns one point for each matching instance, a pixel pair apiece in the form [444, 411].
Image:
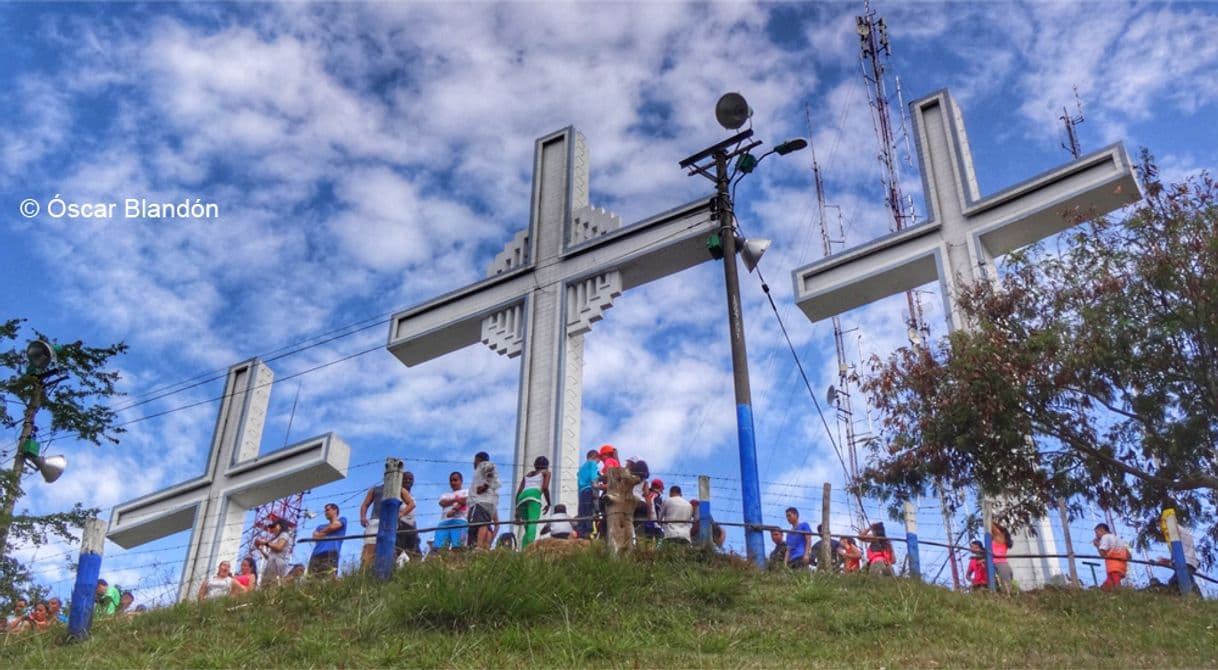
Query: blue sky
[367, 157]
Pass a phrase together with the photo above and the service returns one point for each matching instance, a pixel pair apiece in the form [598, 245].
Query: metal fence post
[88, 570]
[825, 560]
[987, 518]
[706, 520]
[911, 540]
[387, 528]
[1171, 531]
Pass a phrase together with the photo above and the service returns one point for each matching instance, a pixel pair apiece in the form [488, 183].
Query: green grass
[665, 609]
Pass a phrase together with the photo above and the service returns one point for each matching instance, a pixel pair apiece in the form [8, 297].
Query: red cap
[607, 449]
[657, 484]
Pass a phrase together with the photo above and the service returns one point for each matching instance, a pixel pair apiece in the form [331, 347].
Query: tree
[73, 391]
[1090, 374]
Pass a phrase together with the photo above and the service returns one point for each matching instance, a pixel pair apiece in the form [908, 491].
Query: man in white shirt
[483, 501]
[676, 516]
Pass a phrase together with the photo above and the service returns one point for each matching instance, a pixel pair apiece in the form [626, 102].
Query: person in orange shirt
[852, 556]
[1115, 553]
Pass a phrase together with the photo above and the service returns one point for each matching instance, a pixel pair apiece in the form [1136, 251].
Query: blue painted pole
[387, 515]
[911, 540]
[706, 519]
[1171, 531]
[88, 571]
[987, 517]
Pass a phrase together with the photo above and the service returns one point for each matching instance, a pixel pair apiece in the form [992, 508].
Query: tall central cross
[962, 235]
[545, 290]
[237, 479]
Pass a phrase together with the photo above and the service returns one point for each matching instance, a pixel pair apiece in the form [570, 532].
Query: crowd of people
[109, 601]
[469, 519]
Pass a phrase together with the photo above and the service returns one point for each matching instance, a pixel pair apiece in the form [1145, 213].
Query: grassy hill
[665, 609]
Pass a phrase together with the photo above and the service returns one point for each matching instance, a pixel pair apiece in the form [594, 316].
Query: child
[852, 556]
[559, 524]
[978, 577]
[1115, 553]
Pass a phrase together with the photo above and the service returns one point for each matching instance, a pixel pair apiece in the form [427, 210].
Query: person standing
[534, 487]
[408, 534]
[880, 556]
[329, 536]
[586, 480]
[450, 532]
[1001, 544]
[1115, 553]
[370, 517]
[676, 517]
[852, 556]
[276, 551]
[483, 501]
[797, 541]
[835, 550]
[977, 575]
[655, 502]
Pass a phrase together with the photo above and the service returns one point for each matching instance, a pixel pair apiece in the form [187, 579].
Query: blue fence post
[88, 570]
[1171, 533]
[987, 518]
[387, 526]
[706, 520]
[911, 540]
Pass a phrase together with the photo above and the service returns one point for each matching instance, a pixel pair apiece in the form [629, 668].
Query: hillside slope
[666, 609]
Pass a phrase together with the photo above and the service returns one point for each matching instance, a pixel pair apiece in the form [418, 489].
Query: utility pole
[732, 111]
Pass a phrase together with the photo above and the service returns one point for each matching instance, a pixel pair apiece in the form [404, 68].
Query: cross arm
[888, 265]
[453, 321]
[157, 515]
[1053, 201]
[650, 249]
[301, 466]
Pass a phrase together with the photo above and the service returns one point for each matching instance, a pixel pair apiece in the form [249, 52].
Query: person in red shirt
[978, 577]
[852, 556]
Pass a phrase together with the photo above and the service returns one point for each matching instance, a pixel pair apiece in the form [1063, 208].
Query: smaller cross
[237, 479]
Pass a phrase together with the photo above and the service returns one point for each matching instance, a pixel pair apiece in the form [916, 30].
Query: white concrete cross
[545, 290]
[962, 235]
[237, 479]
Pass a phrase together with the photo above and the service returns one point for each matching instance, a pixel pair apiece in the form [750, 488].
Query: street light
[732, 111]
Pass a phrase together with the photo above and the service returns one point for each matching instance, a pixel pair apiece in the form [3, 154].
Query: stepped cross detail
[237, 480]
[545, 290]
[962, 235]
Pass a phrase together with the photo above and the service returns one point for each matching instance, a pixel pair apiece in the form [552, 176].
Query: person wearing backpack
[1115, 553]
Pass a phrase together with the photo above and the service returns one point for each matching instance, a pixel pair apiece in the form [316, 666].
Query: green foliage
[1088, 374]
[72, 400]
[650, 609]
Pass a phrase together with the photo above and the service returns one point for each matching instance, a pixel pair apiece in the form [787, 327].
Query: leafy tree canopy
[70, 401]
[1089, 374]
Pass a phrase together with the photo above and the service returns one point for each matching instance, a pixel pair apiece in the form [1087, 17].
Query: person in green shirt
[107, 598]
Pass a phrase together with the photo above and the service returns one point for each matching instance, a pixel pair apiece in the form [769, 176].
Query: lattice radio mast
[874, 51]
[1071, 121]
[839, 394]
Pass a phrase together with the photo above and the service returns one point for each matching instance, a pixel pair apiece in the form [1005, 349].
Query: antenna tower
[839, 395]
[874, 52]
[1070, 121]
